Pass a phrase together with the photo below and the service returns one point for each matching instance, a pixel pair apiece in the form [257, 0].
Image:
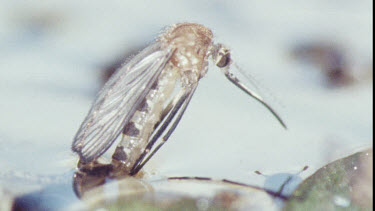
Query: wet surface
[52, 197]
[94, 189]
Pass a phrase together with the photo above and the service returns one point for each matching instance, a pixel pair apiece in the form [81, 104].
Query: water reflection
[86, 189]
[94, 174]
[283, 183]
[55, 196]
[95, 190]
[83, 182]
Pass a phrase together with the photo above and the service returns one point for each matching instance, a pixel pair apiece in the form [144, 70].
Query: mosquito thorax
[191, 43]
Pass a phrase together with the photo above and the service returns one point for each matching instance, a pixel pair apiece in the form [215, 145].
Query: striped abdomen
[137, 132]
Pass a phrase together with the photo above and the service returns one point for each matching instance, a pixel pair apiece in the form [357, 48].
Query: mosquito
[146, 98]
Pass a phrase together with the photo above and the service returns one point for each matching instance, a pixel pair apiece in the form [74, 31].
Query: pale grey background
[52, 52]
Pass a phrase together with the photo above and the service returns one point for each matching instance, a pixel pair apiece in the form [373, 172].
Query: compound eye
[223, 58]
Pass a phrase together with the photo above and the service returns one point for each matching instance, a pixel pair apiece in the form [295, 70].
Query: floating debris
[330, 58]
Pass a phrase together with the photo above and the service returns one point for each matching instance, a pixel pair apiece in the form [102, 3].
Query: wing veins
[102, 127]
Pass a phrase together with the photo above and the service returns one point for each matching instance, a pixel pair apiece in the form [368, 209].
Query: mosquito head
[221, 56]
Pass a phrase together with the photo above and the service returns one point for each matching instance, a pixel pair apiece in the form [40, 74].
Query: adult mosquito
[141, 102]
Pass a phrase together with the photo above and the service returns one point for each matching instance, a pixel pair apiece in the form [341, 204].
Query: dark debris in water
[332, 59]
[111, 67]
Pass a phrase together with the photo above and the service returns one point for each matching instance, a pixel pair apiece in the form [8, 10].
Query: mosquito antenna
[237, 82]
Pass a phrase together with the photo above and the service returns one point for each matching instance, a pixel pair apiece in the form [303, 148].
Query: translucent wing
[117, 102]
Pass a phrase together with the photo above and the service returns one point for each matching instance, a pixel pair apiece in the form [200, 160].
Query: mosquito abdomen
[137, 132]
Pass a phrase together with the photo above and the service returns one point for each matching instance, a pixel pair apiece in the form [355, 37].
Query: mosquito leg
[191, 178]
[165, 112]
[179, 109]
[168, 134]
[158, 133]
[230, 182]
[141, 162]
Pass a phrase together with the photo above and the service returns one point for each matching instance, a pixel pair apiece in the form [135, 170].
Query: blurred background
[312, 61]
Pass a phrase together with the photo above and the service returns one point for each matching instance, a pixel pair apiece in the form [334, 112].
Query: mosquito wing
[118, 100]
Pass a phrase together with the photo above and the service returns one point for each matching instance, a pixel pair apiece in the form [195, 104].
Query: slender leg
[164, 113]
[158, 133]
[230, 182]
[169, 132]
[179, 108]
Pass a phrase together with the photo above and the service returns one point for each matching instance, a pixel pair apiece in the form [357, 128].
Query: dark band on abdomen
[131, 130]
